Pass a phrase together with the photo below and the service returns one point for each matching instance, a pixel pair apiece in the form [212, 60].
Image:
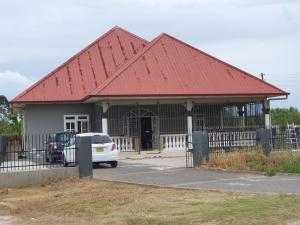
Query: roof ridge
[128, 32]
[225, 63]
[124, 67]
[115, 28]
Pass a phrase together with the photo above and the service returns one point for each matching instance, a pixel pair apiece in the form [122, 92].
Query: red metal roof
[119, 64]
[169, 67]
[88, 69]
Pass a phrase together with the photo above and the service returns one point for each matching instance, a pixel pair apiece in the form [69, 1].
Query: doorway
[146, 133]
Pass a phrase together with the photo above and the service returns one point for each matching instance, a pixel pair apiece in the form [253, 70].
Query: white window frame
[75, 120]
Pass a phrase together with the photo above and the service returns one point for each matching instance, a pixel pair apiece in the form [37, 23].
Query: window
[76, 123]
[101, 139]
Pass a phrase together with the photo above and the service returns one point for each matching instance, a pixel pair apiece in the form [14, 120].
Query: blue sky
[258, 36]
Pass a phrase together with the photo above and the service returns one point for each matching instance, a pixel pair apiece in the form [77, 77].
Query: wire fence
[33, 152]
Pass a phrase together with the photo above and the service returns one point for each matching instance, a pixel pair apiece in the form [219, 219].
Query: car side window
[72, 140]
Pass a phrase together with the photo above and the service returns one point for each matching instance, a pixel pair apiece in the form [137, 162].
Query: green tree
[3, 113]
[282, 116]
[10, 124]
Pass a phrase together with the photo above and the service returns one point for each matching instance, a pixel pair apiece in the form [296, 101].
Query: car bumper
[106, 157]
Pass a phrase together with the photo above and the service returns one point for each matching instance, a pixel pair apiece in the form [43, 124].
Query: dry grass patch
[94, 202]
[255, 160]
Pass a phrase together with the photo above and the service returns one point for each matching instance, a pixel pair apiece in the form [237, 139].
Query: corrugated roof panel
[63, 82]
[89, 78]
[118, 54]
[76, 83]
[122, 64]
[88, 68]
[185, 71]
[97, 65]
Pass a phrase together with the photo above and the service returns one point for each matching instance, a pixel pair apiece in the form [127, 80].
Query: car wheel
[52, 159]
[66, 164]
[114, 164]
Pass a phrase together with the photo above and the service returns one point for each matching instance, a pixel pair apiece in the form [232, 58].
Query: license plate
[99, 149]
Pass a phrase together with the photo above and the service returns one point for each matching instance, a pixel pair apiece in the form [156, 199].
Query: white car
[103, 150]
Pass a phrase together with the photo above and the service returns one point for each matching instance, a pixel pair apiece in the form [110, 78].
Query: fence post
[84, 156]
[3, 146]
[263, 138]
[200, 147]
[1, 149]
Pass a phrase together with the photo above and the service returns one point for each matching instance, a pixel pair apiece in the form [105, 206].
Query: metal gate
[189, 160]
[133, 127]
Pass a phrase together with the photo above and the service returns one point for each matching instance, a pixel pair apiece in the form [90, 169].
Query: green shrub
[292, 168]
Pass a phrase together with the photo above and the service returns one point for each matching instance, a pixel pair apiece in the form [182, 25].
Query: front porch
[168, 126]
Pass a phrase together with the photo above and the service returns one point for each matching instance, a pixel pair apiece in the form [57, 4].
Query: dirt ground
[75, 201]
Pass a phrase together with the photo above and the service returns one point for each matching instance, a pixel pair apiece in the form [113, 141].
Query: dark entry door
[146, 133]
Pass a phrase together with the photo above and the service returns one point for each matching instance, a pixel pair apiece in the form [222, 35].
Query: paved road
[5, 220]
[169, 176]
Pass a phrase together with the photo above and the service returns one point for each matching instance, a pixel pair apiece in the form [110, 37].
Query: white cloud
[12, 82]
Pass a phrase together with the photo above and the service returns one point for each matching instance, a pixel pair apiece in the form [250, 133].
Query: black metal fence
[283, 139]
[226, 141]
[33, 152]
[229, 140]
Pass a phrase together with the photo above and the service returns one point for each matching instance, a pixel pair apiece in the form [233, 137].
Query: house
[146, 95]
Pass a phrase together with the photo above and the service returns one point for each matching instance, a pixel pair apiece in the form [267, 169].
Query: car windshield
[101, 139]
[63, 137]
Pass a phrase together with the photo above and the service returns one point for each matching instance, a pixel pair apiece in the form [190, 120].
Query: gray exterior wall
[49, 118]
[96, 119]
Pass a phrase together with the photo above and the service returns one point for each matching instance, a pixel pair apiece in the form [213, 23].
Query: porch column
[242, 112]
[267, 114]
[104, 117]
[189, 106]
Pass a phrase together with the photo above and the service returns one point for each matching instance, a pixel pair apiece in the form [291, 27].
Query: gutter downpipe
[280, 98]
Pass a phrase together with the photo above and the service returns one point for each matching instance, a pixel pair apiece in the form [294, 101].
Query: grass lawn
[87, 202]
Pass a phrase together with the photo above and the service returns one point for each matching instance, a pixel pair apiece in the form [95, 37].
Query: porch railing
[124, 143]
[219, 139]
[173, 141]
[216, 139]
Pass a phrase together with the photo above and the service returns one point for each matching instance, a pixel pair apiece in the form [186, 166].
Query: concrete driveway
[169, 172]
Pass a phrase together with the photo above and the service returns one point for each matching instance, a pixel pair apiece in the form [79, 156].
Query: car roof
[91, 134]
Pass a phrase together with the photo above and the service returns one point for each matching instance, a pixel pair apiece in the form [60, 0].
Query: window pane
[79, 127]
[72, 140]
[103, 139]
[76, 123]
[84, 127]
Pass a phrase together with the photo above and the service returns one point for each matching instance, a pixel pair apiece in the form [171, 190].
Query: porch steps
[292, 137]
